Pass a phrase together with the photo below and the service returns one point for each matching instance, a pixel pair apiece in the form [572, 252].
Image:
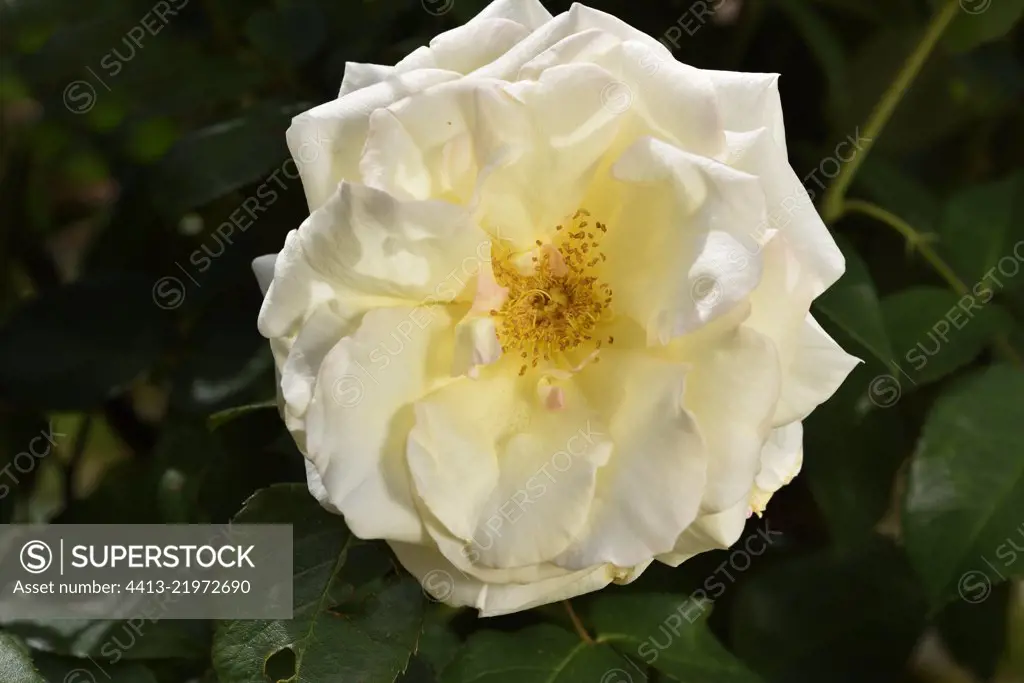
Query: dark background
[126, 321]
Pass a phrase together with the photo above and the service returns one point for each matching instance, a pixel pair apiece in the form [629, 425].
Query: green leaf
[852, 304]
[226, 363]
[981, 21]
[224, 416]
[976, 633]
[211, 162]
[438, 644]
[74, 346]
[354, 619]
[936, 332]
[15, 662]
[539, 654]
[965, 489]
[57, 669]
[901, 193]
[854, 444]
[843, 617]
[668, 632]
[980, 229]
[104, 640]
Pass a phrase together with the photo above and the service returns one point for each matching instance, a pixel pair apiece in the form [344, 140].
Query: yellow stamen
[556, 307]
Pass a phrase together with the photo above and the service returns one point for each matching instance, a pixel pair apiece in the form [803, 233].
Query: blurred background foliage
[126, 321]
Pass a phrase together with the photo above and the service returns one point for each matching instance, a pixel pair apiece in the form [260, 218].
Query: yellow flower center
[556, 305]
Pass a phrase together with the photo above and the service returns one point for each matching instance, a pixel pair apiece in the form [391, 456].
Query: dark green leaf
[901, 193]
[981, 21]
[853, 446]
[211, 162]
[225, 416]
[15, 662]
[965, 491]
[669, 633]
[353, 621]
[841, 618]
[107, 641]
[438, 644]
[539, 654]
[228, 363]
[57, 669]
[852, 304]
[975, 633]
[935, 332]
[982, 229]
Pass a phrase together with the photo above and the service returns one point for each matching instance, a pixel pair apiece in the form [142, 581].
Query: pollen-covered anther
[555, 306]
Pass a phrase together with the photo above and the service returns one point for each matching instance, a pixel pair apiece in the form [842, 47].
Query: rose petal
[650, 490]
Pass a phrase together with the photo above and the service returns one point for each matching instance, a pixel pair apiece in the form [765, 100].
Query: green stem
[919, 242]
[832, 205]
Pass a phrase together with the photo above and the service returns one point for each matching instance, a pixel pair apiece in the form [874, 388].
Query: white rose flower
[548, 319]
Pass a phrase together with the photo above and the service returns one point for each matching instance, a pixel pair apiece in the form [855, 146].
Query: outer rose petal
[781, 458]
[732, 390]
[360, 250]
[326, 141]
[818, 367]
[790, 209]
[263, 267]
[363, 249]
[361, 412]
[578, 19]
[495, 599]
[715, 531]
[749, 101]
[780, 461]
